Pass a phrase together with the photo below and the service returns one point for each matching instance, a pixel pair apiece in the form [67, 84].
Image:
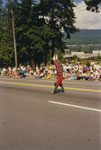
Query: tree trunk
[32, 63]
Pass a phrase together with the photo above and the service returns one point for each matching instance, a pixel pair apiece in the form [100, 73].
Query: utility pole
[15, 51]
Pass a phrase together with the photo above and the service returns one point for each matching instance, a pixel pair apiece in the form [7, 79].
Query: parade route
[31, 118]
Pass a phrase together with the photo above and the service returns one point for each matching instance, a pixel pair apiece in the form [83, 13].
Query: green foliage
[93, 5]
[60, 54]
[56, 14]
[6, 42]
[38, 29]
[1, 19]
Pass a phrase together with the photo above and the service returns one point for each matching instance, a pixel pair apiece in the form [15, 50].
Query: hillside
[85, 37]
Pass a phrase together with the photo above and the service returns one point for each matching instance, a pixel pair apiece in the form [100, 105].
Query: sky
[77, 1]
[85, 19]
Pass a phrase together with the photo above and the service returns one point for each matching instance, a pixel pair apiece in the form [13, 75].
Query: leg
[62, 89]
[55, 88]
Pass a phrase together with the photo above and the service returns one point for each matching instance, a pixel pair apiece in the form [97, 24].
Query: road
[31, 118]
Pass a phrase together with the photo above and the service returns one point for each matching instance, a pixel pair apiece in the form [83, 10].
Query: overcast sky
[86, 19]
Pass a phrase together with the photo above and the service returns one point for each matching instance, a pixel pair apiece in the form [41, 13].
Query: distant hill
[84, 37]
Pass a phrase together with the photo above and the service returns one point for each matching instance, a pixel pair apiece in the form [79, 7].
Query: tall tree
[29, 33]
[0, 19]
[1, 25]
[7, 47]
[59, 16]
[39, 27]
[23, 27]
[0, 7]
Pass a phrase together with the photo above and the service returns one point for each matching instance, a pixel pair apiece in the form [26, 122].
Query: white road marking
[75, 106]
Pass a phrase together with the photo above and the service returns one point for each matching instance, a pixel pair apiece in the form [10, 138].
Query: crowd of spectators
[72, 71]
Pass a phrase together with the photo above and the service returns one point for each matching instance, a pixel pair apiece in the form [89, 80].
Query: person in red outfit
[60, 75]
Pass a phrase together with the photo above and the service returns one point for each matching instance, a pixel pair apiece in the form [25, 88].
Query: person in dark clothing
[22, 74]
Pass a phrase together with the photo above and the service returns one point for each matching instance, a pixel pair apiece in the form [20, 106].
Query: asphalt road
[31, 118]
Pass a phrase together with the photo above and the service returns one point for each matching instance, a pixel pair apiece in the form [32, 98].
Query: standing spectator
[80, 68]
[88, 65]
[92, 64]
[4, 71]
[76, 67]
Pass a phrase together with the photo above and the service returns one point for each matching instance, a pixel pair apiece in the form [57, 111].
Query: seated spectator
[80, 68]
[67, 75]
[78, 76]
[91, 76]
[41, 74]
[4, 72]
[73, 76]
[22, 73]
[85, 76]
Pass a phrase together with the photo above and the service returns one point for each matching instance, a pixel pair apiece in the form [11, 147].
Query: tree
[93, 5]
[59, 17]
[7, 47]
[0, 8]
[27, 31]
[39, 28]
[0, 19]
[1, 25]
